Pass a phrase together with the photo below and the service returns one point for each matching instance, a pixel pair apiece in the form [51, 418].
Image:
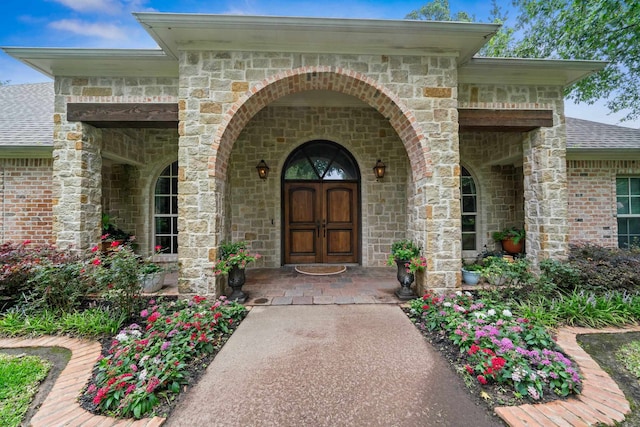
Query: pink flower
[26, 242]
[133, 367]
[152, 384]
[96, 261]
[144, 313]
[154, 316]
[157, 248]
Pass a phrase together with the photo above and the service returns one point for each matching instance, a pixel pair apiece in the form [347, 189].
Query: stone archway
[322, 78]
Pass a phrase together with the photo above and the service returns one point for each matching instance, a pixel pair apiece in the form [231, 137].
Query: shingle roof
[588, 135]
[26, 115]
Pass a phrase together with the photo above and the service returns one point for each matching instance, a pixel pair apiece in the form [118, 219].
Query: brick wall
[25, 200]
[592, 199]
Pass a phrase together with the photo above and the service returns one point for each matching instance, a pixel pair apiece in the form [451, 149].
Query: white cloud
[108, 6]
[105, 31]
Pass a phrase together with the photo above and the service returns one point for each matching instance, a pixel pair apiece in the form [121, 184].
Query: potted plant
[151, 274]
[406, 256]
[471, 273]
[232, 260]
[512, 239]
[111, 233]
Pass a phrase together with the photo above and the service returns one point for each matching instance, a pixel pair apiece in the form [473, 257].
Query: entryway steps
[601, 400]
[61, 407]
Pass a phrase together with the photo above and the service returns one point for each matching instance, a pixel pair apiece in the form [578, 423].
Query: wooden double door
[321, 222]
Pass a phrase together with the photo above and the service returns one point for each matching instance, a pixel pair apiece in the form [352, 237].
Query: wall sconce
[263, 169]
[378, 169]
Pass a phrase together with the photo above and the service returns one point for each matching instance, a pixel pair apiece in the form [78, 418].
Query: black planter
[406, 279]
[236, 280]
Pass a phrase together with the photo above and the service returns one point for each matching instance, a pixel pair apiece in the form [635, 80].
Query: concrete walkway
[335, 365]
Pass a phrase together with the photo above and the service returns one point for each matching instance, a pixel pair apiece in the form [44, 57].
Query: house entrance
[321, 202]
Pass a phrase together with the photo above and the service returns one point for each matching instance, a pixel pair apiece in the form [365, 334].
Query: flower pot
[470, 277]
[152, 282]
[235, 280]
[406, 279]
[513, 248]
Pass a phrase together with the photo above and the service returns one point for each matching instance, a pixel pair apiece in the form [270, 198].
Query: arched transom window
[321, 160]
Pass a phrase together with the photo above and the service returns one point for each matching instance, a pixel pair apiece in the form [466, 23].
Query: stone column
[545, 193]
[441, 192]
[77, 181]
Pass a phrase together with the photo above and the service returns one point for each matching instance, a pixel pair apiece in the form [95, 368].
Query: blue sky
[109, 24]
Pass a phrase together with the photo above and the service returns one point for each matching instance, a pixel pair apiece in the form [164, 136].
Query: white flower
[491, 312]
[143, 374]
[479, 315]
[446, 304]
[122, 336]
[459, 293]
[467, 293]
[506, 313]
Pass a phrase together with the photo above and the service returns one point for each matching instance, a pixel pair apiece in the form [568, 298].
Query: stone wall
[25, 200]
[494, 160]
[220, 93]
[78, 151]
[255, 204]
[592, 199]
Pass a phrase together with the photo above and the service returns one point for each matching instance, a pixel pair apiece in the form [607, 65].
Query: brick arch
[335, 79]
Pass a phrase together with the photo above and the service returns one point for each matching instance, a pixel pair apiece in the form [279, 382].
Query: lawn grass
[629, 356]
[20, 377]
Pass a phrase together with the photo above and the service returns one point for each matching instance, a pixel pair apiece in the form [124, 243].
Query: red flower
[482, 379]
[498, 363]
[154, 316]
[94, 249]
[469, 369]
[217, 316]
[474, 349]
[425, 307]
[115, 244]
[96, 261]
[198, 299]
[158, 247]
[101, 394]
[26, 242]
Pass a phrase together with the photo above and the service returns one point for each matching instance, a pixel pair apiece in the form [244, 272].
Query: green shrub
[57, 286]
[17, 262]
[602, 269]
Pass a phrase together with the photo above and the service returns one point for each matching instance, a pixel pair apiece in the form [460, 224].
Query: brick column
[77, 182]
[545, 193]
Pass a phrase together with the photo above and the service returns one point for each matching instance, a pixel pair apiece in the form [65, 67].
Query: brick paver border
[61, 407]
[601, 400]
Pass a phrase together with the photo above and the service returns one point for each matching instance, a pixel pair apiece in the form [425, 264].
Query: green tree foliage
[606, 30]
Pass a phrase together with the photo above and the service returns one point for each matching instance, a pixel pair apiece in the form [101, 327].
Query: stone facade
[592, 199]
[230, 119]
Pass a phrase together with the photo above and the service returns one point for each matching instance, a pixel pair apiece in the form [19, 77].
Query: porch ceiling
[174, 32]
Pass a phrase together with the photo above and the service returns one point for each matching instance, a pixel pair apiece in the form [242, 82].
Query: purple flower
[165, 345]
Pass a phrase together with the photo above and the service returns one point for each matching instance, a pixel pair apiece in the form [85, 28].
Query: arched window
[469, 211]
[165, 212]
[320, 160]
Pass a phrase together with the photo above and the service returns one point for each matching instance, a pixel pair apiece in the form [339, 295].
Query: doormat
[320, 270]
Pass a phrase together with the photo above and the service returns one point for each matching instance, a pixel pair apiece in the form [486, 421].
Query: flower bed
[497, 348]
[147, 362]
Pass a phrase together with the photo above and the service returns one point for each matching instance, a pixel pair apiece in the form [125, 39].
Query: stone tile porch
[285, 286]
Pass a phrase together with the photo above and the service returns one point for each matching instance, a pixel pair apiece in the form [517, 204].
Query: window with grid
[628, 203]
[469, 211]
[166, 210]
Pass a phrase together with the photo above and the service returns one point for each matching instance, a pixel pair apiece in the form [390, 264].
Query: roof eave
[96, 62]
[557, 72]
[602, 153]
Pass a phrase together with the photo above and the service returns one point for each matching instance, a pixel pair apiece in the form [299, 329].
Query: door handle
[318, 227]
[324, 228]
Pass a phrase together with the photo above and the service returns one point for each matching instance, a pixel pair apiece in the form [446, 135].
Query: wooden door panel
[302, 210]
[321, 222]
[340, 213]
